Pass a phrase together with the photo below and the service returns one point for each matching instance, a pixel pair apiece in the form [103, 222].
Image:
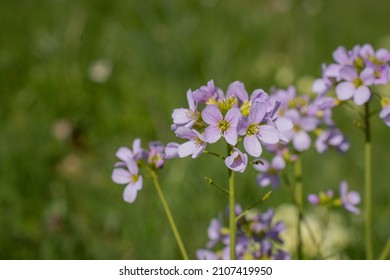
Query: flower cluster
[126, 171]
[212, 115]
[354, 74]
[348, 200]
[257, 238]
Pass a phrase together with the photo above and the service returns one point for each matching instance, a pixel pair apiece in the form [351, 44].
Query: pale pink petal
[345, 90]
[211, 114]
[121, 176]
[186, 149]
[252, 145]
[124, 153]
[130, 193]
[362, 95]
[268, 134]
[257, 112]
[212, 134]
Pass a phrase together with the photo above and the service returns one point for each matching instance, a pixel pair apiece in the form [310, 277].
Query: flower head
[237, 161]
[220, 126]
[130, 177]
[349, 199]
[385, 114]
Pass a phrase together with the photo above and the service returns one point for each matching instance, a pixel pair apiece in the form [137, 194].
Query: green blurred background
[78, 79]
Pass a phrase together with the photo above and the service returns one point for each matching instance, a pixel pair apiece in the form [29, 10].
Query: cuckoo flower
[332, 138]
[171, 150]
[208, 94]
[385, 114]
[156, 154]
[237, 161]
[195, 146]
[186, 117]
[255, 131]
[355, 85]
[270, 172]
[349, 199]
[131, 178]
[220, 126]
[125, 153]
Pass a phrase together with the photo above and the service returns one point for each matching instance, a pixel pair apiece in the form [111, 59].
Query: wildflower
[331, 138]
[254, 130]
[237, 89]
[323, 198]
[355, 85]
[125, 153]
[220, 126]
[237, 161]
[195, 146]
[171, 150]
[302, 124]
[186, 117]
[349, 199]
[385, 114]
[156, 154]
[130, 177]
[208, 94]
[270, 172]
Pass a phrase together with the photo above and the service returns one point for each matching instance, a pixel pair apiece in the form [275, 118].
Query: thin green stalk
[169, 215]
[299, 201]
[232, 216]
[211, 182]
[367, 196]
[265, 197]
[385, 251]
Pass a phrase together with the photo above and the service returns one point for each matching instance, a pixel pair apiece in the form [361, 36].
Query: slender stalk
[385, 251]
[211, 182]
[265, 197]
[367, 196]
[299, 201]
[169, 215]
[232, 216]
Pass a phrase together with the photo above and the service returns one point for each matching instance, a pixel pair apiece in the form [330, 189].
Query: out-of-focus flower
[332, 138]
[270, 172]
[385, 112]
[156, 154]
[349, 199]
[130, 177]
[258, 237]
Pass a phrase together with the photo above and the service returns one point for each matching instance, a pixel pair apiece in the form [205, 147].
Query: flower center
[357, 82]
[134, 177]
[223, 125]
[252, 129]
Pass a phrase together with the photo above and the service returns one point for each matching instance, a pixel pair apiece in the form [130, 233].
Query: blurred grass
[80, 79]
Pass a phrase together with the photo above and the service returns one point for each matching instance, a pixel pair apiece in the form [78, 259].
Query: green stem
[232, 216]
[386, 250]
[211, 182]
[299, 201]
[214, 154]
[265, 197]
[232, 211]
[367, 196]
[169, 215]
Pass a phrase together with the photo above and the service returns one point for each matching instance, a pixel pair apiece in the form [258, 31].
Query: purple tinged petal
[259, 95]
[212, 134]
[171, 150]
[268, 134]
[262, 167]
[231, 135]
[186, 149]
[293, 115]
[340, 55]
[138, 184]
[206, 255]
[191, 101]
[180, 116]
[348, 73]
[283, 124]
[278, 163]
[320, 86]
[121, 176]
[132, 166]
[362, 95]
[232, 116]
[345, 90]
[313, 199]
[366, 51]
[185, 133]
[199, 150]
[242, 125]
[263, 180]
[301, 141]
[252, 145]
[333, 71]
[368, 76]
[353, 197]
[211, 115]
[124, 153]
[309, 123]
[237, 161]
[238, 90]
[385, 114]
[257, 112]
[130, 193]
